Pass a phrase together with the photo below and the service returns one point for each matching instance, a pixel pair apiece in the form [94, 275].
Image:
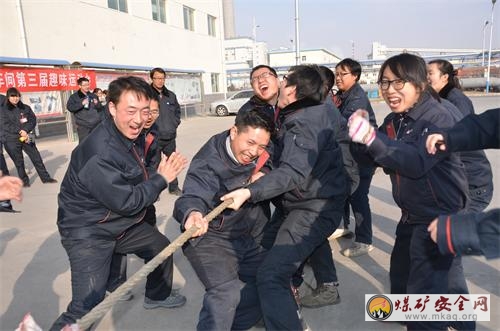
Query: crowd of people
[296, 161]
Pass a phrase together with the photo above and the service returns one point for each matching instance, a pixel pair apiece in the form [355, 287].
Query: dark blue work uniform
[351, 100]
[311, 186]
[225, 258]
[424, 186]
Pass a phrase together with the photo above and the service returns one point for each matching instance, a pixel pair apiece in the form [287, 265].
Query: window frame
[211, 27]
[188, 17]
[119, 5]
[161, 11]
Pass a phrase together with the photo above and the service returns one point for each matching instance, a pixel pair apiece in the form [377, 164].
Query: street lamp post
[484, 40]
[489, 52]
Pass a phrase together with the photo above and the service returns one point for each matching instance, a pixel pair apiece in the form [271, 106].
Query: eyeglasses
[263, 75]
[341, 74]
[158, 78]
[155, 112]
[398, 84]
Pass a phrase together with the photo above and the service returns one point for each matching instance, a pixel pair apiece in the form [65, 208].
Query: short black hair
[12, 91]
[81, 80]
[260, 66]
[328, 77]
[307, 81]
[255, 118]
[352, 65]
[129, 83]
[157, 69]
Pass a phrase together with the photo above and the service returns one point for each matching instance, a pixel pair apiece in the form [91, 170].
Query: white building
[183, 36]
[244, 53]
[287, 58]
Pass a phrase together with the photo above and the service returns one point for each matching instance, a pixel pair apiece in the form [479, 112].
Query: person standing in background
[352, 97]
[17, 120]
[168, 121]
[86, 108]
[442, 77]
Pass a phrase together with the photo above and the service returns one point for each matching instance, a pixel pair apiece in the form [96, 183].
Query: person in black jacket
[352, 97]
[168, 121]
[228, 253]
[86, 108]
[470, 233]
[18, 121]
[265, 85]
[104, 197]
[443, 80]
[5, 205]
[423, 186]
[311, 185]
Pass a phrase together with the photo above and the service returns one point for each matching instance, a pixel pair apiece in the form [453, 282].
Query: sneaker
[173, 301]
[340, 232]
[323, 295]
[126, 297]
[357, 249]
[50, 181]
[176, 192]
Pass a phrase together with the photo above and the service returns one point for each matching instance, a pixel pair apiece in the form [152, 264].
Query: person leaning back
[103, 200]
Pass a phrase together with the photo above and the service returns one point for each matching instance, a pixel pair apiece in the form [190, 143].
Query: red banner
[39, 80]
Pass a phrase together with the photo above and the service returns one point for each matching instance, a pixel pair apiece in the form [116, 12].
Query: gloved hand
[360, 129]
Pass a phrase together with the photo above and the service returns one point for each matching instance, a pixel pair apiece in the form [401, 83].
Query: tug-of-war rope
[100, 310]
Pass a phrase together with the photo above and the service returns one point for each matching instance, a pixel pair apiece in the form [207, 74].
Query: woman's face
[399, 100]
[14, 99]
[435, 78]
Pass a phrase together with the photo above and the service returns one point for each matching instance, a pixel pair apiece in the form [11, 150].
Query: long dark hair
[446, 67]
[410, 68]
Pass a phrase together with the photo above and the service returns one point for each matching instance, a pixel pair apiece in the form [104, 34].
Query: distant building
[287, 58]
[244, 53]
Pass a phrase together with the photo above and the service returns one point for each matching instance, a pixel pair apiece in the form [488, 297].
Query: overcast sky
[334, 24]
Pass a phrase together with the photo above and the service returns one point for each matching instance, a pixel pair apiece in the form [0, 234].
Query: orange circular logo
[379, 307]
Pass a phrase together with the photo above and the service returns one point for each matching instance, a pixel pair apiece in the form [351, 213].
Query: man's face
[85, 87]
[154, 108]
[158, 80]
[247, 145]
[287, 93]
[130, 113]
[265, 85]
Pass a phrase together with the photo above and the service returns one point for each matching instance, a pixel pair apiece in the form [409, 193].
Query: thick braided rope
[98, 311]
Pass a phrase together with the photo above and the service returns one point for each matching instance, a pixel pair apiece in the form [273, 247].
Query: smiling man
[265, 85]
[103, 200]
[228, 253]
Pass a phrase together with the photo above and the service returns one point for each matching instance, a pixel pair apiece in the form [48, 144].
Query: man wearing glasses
[265, 85]
[168, 121]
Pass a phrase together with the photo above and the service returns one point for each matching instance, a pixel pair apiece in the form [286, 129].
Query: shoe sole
[344, 233]
[154, 305]
[356, 254]
[323, 305]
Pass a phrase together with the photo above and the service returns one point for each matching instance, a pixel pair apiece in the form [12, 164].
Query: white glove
[360, 129]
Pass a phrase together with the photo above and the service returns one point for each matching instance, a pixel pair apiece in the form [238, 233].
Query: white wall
[88, 31]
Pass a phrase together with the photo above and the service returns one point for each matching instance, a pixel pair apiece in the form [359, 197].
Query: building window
[158, 10]
[215, 83]
[188, 18]
[120, 5]
[211, 25]
[304, 58]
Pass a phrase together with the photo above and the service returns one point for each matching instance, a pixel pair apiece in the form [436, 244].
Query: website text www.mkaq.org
[440, 317]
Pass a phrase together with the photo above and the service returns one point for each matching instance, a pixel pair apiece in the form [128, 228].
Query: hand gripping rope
[98, 311]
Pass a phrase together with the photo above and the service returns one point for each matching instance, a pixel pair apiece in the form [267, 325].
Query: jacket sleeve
[106, 182]
[470, 234]
[199, 190]
[74, 103]
[177, 110]
[31, 123]
[301, 149]
[475, 132]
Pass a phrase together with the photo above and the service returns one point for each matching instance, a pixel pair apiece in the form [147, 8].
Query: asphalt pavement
[34, 268]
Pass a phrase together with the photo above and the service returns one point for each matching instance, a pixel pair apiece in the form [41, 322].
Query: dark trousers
[90, 261]
[118, 269]
[5, 172]
[306, 225]
[227, 268]
[15, 150]
[167, 147]
[417, 267]
[361, 206]
[82, 132]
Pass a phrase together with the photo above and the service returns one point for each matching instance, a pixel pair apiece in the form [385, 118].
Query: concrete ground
[34, 269]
